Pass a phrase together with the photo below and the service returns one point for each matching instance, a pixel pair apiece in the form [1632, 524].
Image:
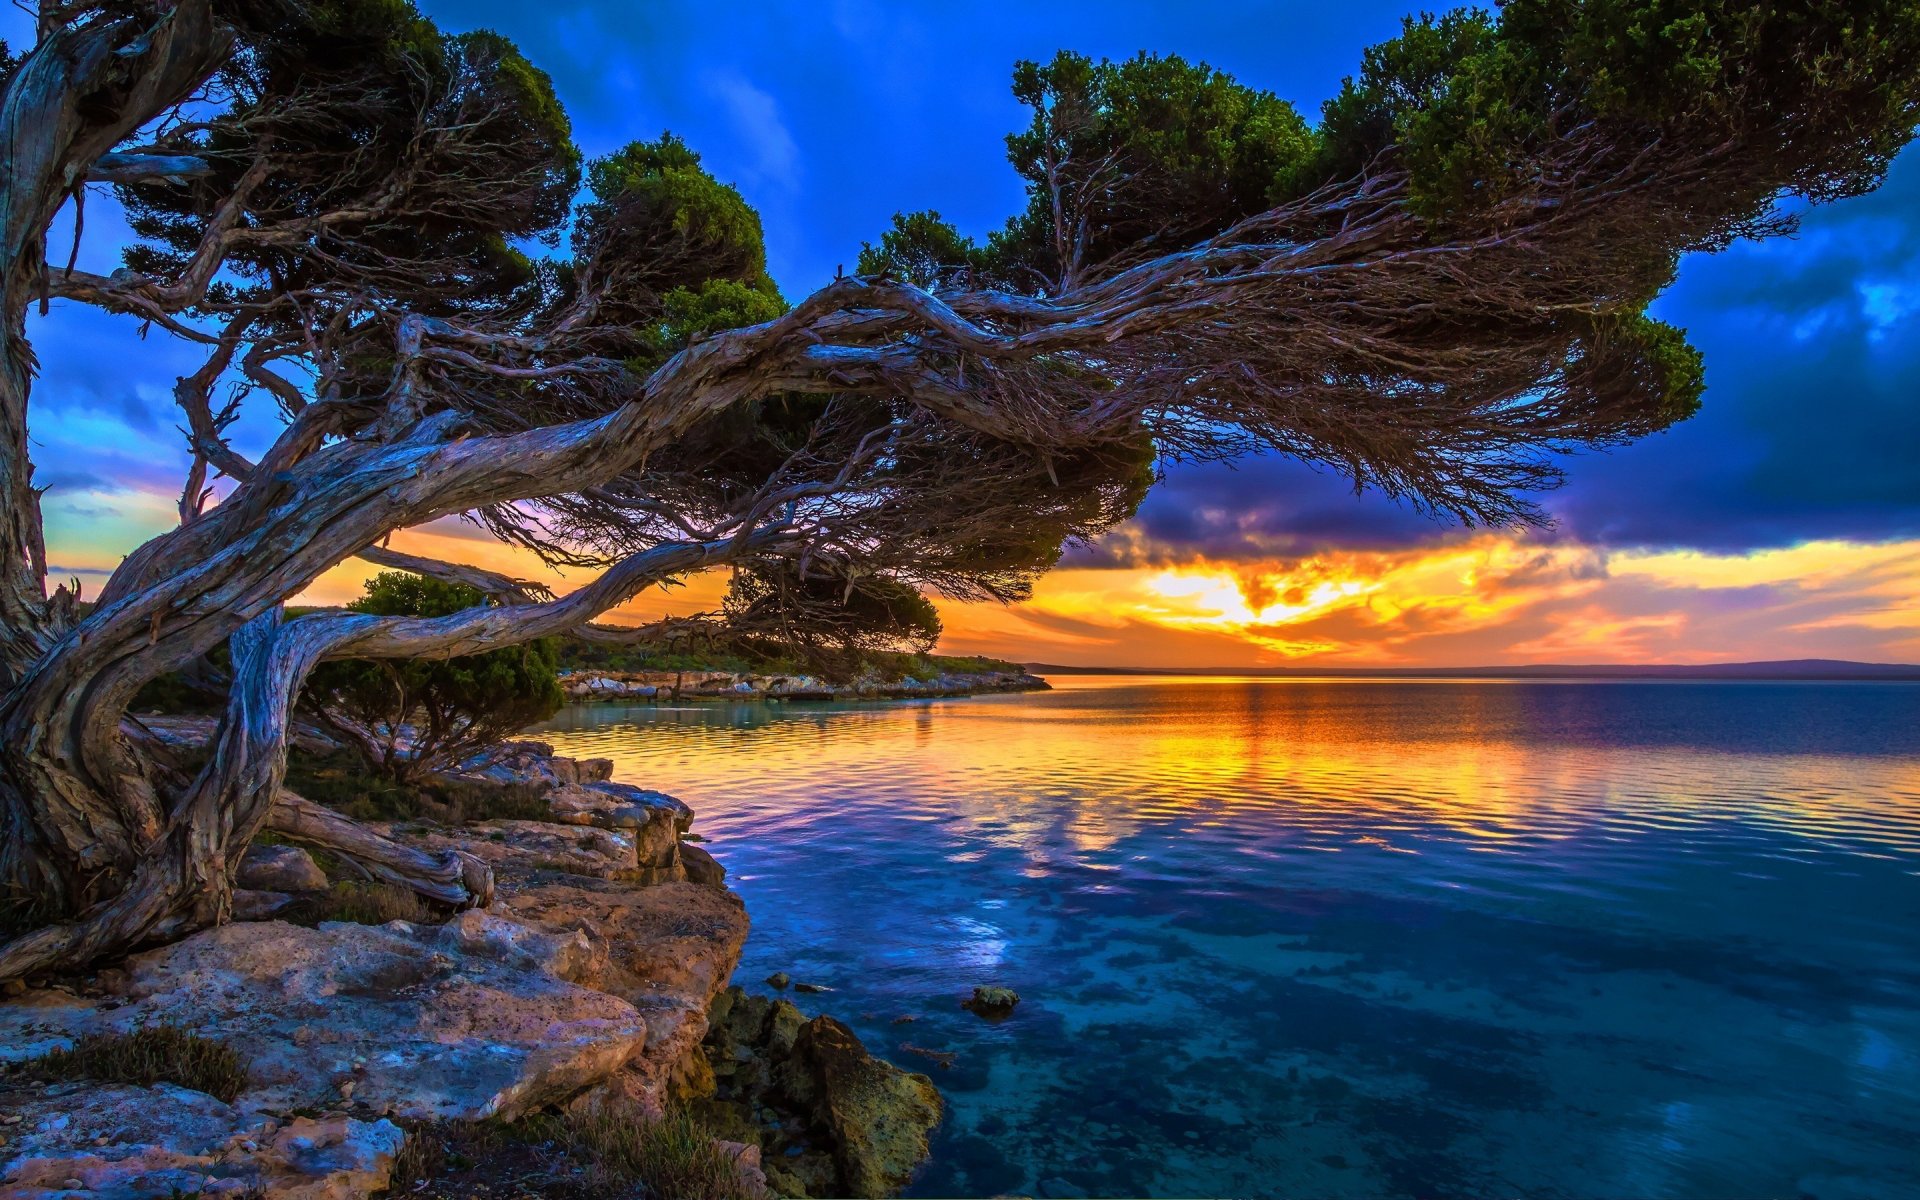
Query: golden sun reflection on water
[1391, 766]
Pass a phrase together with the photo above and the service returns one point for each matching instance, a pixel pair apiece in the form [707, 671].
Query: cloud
[1476, 599]
[771, 155]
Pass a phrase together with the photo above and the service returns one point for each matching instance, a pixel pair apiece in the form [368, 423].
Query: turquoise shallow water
[1342, 938]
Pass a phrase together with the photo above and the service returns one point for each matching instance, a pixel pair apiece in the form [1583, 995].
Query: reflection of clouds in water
[1348, 938]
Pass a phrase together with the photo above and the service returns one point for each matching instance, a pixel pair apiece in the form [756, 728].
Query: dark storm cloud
[1811, 421]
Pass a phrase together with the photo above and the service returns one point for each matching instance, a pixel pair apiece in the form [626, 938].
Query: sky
[1782, 522]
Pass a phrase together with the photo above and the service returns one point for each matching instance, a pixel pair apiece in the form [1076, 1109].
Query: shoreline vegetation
[579, 1036]
[590, 673]
[1813, 669]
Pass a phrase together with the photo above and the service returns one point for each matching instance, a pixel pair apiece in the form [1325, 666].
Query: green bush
[453, 705]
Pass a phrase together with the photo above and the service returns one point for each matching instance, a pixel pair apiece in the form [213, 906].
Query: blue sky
[831, 117]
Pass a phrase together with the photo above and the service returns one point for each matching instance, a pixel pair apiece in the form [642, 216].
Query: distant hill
[1794, 668]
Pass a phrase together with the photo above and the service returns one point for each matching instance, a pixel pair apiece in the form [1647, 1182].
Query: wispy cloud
[770, 155]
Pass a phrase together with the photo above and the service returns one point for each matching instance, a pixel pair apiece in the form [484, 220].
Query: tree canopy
[386, 232]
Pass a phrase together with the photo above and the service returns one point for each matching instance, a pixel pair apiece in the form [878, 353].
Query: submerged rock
[994, 1003]
[119, 1142]
[831, 1119]
[876, 1116]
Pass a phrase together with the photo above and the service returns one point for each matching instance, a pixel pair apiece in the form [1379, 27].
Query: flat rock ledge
[594, 977]
[169, 1141]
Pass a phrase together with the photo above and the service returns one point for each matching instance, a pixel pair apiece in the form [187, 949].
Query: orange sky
[1480, 598]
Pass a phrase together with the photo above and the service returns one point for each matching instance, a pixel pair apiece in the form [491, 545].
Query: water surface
[1348, 938]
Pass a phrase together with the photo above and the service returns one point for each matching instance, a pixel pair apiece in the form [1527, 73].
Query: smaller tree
[408, 716]
[830, 621]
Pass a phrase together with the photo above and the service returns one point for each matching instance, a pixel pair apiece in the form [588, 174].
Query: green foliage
[1468, 101]
[453, 705]
[924, 249]
[1154, 151]
[683, 248]
[154, 1054]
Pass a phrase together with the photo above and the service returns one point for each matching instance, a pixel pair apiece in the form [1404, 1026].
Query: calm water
[1349, 938]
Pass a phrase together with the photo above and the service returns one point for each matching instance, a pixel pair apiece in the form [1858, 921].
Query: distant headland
[1783, 669]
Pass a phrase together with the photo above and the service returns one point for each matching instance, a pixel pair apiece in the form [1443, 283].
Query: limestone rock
[465, 1021]
[524, 847]
[280, 869]
[670, 951]
[654, 820]
[528, 761]
[875, 1116]
[120, 1142]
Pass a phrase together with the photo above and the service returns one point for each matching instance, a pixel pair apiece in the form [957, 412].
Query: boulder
[875, 1116]
[279, 869]
[702, 867]
[528, 761]
[994, 1003]
[474, 1019]
[119, 1142]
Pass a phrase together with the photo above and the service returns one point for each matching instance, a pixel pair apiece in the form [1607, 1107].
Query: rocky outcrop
[599, 976]
[830, 1119]
[477, 1018]
[118, 1142]
[670, 950]
[874, 1115]
[632, 686]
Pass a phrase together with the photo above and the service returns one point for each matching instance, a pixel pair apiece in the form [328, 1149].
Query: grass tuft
[618, 1151]
[673, 1158]
[156, 1054]
[363, 904]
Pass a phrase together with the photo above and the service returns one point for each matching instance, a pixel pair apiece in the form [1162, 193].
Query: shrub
[156, 1054]
[408, 716]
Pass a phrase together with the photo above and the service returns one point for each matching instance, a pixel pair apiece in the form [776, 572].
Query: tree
[831, 622]
[409, 715]
[1434, 289]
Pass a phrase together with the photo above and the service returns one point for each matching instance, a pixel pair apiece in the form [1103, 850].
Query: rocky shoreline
[587, 686]
[596, 981]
